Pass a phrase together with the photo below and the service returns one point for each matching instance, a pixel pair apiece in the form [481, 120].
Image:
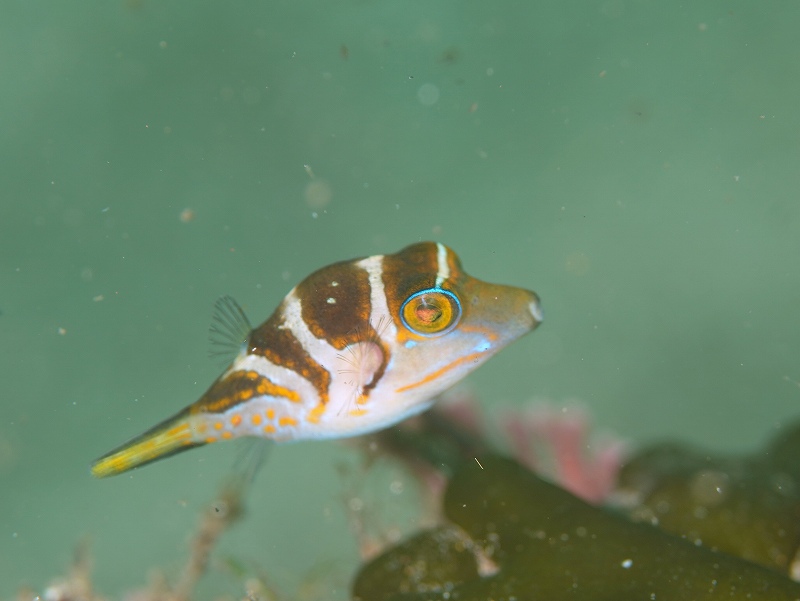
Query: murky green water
[636, 163]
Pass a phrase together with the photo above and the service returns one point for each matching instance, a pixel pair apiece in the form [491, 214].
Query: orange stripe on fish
[438, 374]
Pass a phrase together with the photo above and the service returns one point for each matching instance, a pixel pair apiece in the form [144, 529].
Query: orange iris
[432, 311]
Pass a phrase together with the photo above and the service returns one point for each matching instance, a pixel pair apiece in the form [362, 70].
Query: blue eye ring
[431, 312]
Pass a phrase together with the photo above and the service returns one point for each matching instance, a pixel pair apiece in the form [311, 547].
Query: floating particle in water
[317, 194]
[709, 487]
[428, 94]
[577, 263]
[450, 56]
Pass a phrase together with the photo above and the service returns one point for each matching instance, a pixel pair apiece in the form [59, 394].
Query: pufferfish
[355, 347]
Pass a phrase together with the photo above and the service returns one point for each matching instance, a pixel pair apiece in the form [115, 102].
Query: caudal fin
[167, 438]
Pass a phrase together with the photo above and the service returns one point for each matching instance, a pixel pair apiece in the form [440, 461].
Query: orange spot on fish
[218, 426]
[256, 419]
[287, 421]
[269, 429]
[236, 420]
[270, 414]
[314, 415]
[211, 439]
[227, 435]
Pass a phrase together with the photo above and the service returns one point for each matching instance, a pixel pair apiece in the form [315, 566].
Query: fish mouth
[535, 307]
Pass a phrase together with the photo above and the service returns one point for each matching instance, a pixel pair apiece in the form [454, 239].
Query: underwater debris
[368, 527]
[215, 520]
[77, 584]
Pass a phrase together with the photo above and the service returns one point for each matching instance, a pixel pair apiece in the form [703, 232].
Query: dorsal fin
[229, 329]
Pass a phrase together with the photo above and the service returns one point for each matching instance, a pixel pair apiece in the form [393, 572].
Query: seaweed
[748, 506]
[509, 535]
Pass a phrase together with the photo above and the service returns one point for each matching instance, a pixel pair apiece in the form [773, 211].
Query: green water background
[634, 162]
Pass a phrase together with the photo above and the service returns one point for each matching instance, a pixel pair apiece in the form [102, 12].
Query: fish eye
[431, 312]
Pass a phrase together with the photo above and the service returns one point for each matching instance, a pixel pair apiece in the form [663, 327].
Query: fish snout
[535, 307]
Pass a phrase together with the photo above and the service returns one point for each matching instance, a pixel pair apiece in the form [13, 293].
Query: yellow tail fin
[167, 438]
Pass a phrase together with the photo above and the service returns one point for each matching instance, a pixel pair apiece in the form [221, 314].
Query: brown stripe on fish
[336, 304]
[412, 269]
[238, 387]
[278, 345]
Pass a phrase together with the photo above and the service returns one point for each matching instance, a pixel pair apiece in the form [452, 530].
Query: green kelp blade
[548, 545]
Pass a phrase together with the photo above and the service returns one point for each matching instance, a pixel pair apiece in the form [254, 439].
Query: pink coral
[555, 442]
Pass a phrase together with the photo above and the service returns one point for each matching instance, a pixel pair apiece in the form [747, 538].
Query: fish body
[355, 347]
